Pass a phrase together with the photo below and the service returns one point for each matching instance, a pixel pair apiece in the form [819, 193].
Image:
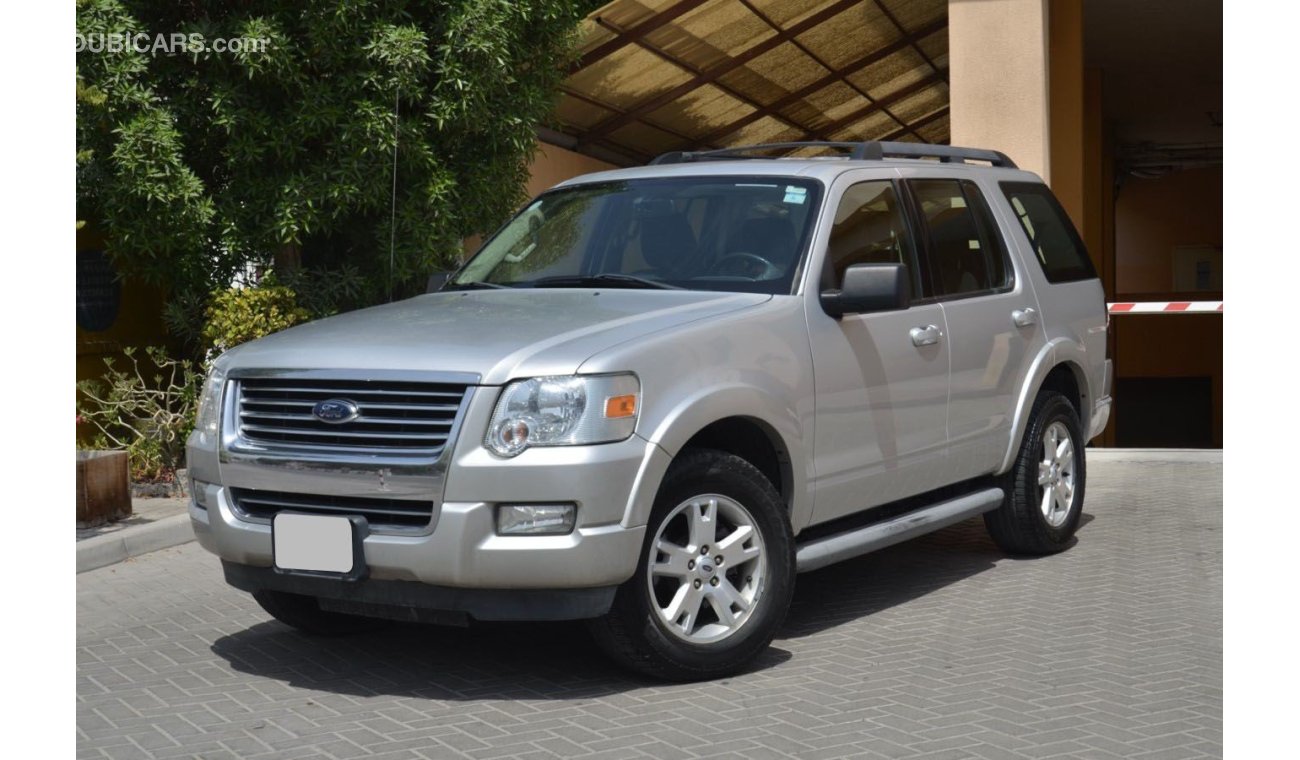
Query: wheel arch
[745, 421]
[1058, 367]
[754, 441]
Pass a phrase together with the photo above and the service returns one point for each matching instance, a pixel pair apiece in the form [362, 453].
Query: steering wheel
[744, 264]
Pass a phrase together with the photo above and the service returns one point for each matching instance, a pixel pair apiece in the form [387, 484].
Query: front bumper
[460, 564]
[613, 486]
[462, 551]
[420, 602]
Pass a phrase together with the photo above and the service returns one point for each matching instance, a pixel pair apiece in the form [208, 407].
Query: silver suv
[657, 394]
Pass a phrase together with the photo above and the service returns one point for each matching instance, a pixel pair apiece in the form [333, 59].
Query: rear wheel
[1045, 486]
[304, 613]
[715, 577]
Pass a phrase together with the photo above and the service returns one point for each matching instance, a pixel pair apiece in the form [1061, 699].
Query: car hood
[496, 334]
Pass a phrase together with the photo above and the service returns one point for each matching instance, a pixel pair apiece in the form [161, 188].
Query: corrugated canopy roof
[658, 75]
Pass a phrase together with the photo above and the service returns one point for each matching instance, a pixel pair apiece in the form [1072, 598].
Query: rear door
[881, 394]
[994, 324]
[1072, 298]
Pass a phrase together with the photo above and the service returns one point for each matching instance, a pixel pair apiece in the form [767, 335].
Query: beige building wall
[998, 80]
[553, 164]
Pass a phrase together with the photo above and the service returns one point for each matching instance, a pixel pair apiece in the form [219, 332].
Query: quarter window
[962, 244]
[1056, 243]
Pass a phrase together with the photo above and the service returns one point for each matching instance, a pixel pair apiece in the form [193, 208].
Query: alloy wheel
[706, 569]
[1056, 474]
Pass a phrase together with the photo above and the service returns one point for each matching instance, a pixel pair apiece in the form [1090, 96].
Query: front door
[881, 379]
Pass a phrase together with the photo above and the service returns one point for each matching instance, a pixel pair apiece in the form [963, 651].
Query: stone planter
[103, 487]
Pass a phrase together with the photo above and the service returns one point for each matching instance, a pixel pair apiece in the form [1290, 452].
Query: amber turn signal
[620, 406]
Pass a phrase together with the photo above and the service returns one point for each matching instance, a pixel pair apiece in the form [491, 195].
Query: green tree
[200, 165]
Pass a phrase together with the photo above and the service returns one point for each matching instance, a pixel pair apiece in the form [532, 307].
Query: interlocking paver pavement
[939, 648]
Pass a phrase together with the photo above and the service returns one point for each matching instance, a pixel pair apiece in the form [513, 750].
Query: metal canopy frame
[887, 100]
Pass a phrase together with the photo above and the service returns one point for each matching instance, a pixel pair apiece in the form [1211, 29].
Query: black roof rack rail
[685, 157]
[877, 151]
[860, 151]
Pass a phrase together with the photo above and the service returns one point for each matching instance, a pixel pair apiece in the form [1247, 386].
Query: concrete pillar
[1017, 85]
[1065, 106]
[1098, 183]
[998, 86]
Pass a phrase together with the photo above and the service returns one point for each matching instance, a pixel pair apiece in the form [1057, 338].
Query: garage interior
[1118, 105]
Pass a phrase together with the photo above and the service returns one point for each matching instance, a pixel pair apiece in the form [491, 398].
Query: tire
[753, 585]
[304, 614]
[1040, 518]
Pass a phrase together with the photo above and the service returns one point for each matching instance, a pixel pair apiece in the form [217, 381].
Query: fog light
[199, 492]
[536, 519]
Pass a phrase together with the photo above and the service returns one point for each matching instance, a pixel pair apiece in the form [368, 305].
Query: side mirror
[867, 288]
[436, 281]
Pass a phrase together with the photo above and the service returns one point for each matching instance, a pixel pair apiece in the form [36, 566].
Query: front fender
[672, 429]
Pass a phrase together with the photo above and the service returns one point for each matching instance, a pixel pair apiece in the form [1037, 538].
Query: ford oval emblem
[336, 411]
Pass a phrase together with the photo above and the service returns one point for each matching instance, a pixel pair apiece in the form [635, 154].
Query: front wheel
[715, 576]
[1045, 486]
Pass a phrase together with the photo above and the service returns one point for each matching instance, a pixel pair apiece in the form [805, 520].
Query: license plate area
[319, 545]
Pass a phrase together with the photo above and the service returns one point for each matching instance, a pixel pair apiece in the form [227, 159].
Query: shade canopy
[658, 75]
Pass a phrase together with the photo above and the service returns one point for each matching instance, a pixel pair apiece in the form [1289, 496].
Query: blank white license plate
[313, 543]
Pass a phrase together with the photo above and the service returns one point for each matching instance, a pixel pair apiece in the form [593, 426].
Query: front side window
[745, 234]
[962, 244]
[869, 228]
[1055, 242]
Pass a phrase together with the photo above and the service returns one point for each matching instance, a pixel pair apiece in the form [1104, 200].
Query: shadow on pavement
[559, 660]
[485, 661]
[866, 585]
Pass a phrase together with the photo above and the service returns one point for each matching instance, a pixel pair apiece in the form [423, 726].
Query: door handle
[925, 336]
[1024, 317]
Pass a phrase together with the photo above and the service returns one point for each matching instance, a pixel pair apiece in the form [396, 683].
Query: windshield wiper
[605, 278]
[477, 285]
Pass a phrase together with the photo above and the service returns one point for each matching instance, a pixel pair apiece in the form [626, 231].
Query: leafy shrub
[367, 134]
[147, 409]
[238, 315]
[324, 293]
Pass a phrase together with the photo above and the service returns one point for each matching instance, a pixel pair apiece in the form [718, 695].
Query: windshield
[700, 233]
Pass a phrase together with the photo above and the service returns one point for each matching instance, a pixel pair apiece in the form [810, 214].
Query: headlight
[563, 411]
[209, 414]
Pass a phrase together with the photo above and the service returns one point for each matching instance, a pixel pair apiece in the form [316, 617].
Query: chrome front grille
[380, 513]
[403, 417]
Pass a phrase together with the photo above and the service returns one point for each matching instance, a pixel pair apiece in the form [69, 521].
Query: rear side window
[962, 244]
[1056, 244]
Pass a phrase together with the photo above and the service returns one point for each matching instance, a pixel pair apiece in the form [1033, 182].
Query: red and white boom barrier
[1165, 307]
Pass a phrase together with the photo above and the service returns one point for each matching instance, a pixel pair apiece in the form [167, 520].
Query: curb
[102, 551]
[1157, 455]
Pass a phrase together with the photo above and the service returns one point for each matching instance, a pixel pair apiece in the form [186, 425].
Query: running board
[831, 549]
